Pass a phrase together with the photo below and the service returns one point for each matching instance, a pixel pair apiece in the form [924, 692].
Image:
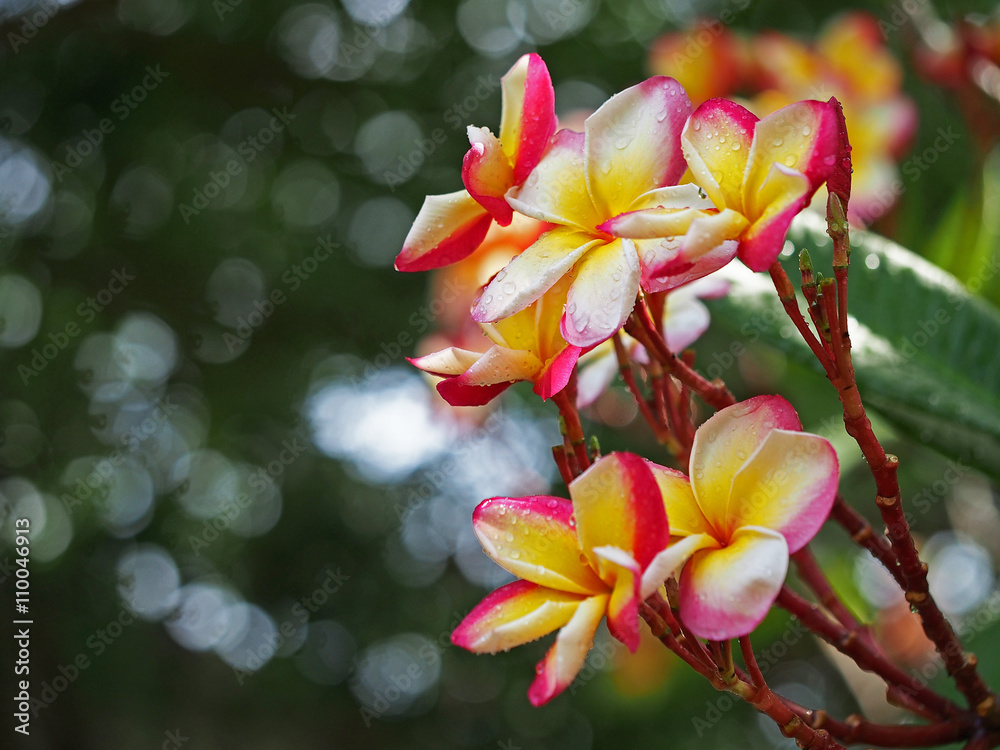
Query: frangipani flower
[759, 490]
[526, 346]
[578, 561]
[592, 185]
[767, 170]
[451, 226]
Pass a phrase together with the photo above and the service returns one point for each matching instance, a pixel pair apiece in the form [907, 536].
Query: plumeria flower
[578, 562]
[685, 318]
[760, 489]
[767, 170]
[526, 346]
[449, 227]
[593, 186]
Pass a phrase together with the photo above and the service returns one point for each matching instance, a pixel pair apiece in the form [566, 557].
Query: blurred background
[250, 517]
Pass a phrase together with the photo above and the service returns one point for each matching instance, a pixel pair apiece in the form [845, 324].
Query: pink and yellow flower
[765, 170]
[594, 184]
[578, 562]
[760, 489]
[525, 346]
[449, 227]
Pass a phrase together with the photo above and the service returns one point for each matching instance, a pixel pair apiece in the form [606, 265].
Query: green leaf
[926, 351]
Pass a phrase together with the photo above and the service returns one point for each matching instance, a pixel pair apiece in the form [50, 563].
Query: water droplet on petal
[790, 160]
[736, 146]
[777, 141]
[510, 287]
[806, 130]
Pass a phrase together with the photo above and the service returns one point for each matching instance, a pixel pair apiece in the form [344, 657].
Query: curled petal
[565, 659]
[788, 484]
[557, 372]
[513, 615]
[687, 195]
[723, 444]
[448, 228]
[450, 361]
[534, 538]
[669, 267]
[528, 119]
[651, 223]
[618, 504]
[726, 592]
[670, 561]
[623, 607]
[487, 174]
[633, 143]
[556, 190]
[531, 273]
[603, 293]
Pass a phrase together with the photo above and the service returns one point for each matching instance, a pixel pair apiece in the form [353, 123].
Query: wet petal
[502, 365]
[788, 485]
[725, 593]
[513, 615]
[716, 142]
[723, 444]
[687, 195]
[602, 294]
[528, 119]
[450, 361]
[793, 152]
[556, 190]
[487, 174]
[531, 273]
[565, 659]
[448, 228]
[633, 143]
[618, 504]
[535, 539]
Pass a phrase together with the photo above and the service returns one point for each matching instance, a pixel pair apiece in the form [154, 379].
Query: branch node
[986, 707]
[886, 502]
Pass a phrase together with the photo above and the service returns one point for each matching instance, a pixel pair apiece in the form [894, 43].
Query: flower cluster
[759, 490]
[652, 195]
[848, 60]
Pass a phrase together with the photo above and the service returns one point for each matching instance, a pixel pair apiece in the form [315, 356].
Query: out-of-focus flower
[766, 170]
[848, 60]
[707, 59]
[449, 227]
[526, 346]
[577, 560]
[759, 490]
[685, 318]
[628, 160]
